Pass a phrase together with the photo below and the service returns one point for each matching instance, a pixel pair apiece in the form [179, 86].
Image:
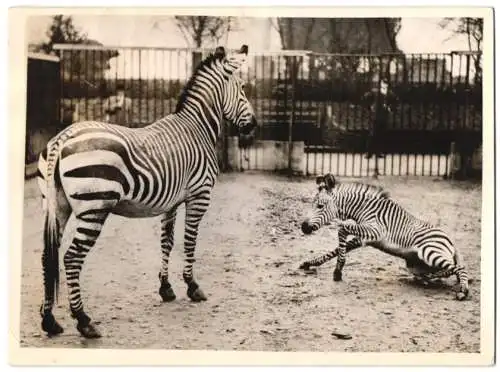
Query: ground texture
[250, 247]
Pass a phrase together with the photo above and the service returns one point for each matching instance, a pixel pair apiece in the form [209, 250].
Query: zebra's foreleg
[320, 260]
[167, 242]
[88, 229]
[195, 210]
[364, 235]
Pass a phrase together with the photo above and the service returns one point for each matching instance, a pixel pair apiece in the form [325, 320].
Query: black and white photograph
[280, 182]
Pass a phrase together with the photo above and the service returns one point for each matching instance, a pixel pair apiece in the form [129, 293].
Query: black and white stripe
[94, 169]
[380, 222]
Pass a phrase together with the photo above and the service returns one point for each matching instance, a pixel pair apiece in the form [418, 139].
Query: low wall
[471, 166]
[273, 156]
[266, 155]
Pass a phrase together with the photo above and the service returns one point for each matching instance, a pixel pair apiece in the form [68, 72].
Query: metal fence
[328, 102]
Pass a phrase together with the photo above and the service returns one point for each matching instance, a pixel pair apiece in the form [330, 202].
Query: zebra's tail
[51, 235]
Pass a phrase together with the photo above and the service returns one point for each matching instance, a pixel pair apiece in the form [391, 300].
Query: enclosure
[250, 247]
[316, 111]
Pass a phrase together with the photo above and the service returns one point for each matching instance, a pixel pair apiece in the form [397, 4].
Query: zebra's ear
[236, 60]
[329, 181]
[320, 180]
[220, 53]
[244, 49]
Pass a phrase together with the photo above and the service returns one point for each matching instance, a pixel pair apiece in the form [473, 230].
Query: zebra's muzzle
[249, 128]
[307, 228]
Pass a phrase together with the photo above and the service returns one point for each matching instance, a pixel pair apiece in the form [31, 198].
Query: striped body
[369, 216]
[93, 169]
[136, 172]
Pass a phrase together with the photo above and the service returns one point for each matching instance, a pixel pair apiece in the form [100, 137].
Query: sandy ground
[249, 250]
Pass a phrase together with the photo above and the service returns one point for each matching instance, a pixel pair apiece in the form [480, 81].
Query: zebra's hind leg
[88, 228]
[445, 266]
[49, 323]
[195, 210]
[462, 277]
[167, 242]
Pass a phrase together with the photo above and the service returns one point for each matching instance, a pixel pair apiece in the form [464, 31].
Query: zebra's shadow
[437, 284]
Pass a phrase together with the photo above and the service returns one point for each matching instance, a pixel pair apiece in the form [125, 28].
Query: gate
[42, 103]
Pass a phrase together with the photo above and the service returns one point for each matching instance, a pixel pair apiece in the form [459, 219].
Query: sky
[417, 35]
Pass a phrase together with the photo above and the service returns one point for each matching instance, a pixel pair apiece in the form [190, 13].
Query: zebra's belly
[127, 208]
[392, 248]
[416, 266]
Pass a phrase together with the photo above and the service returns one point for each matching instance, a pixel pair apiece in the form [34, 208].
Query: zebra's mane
[185, 91]
[369, 191]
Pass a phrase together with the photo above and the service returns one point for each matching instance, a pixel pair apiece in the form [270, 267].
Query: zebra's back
[142, 172]
[405, 229]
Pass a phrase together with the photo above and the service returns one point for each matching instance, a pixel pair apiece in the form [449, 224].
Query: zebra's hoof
[418, 280]
[304, 266]
[460, 296]
[88, 331]
[167, 294]
[51, 326]
[337, 276]
[197, 295]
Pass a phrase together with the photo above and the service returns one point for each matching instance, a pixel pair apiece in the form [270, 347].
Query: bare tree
[472, 29]
[198, 30]
[339, 35]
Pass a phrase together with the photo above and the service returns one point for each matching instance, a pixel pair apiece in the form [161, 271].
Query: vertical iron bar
[459, 82]
[424, 108]
[253, 83]
[122, 81]
[87, 85]
[71, 87]
[146, 83]
[401, 104]
[168, 81]
[292, 114]
[139, 71]
[95, 78]
[62, 92]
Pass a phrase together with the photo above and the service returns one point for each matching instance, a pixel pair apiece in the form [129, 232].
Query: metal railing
[328, 101]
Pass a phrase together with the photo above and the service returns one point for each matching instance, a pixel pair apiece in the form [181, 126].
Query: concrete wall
[477, 159]
[464, 168]
[266, 155]
[273, 156]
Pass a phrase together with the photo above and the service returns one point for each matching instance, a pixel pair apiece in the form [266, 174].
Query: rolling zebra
[383, 224]
[94, 169]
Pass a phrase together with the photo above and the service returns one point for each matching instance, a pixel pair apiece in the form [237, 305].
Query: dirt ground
[249, 250]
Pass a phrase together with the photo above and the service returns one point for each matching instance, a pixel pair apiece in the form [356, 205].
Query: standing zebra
[93, 169]
[383, 224]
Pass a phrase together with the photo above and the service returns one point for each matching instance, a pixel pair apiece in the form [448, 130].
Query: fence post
[453, 156]
[291, 121]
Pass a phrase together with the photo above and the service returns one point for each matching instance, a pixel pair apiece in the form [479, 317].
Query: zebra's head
[324, 205]
[236, 107]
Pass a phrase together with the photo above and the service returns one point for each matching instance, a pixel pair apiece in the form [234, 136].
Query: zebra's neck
[202, 107]
[351, 207]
